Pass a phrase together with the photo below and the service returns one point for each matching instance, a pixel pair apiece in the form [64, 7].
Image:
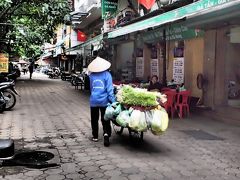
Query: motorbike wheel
[10, 98]
[73, 82]
[2, 108]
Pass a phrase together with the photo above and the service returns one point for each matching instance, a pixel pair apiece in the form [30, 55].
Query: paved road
[53, 116]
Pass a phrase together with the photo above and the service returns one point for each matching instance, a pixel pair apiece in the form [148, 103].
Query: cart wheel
[135, 134]
[141, 136]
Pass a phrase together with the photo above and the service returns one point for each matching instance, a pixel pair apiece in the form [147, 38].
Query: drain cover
[201, 135]
[34, 159]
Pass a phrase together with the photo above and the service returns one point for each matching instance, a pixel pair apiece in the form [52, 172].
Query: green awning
[174, 15]
[174, 32]
[228, 14]
[94, 40]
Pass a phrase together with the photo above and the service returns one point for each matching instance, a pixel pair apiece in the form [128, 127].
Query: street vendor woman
[155, 85]
[101, 88]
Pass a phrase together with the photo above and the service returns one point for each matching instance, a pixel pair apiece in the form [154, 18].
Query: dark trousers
[94, 121]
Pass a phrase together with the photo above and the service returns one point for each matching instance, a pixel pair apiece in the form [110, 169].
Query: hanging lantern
[81, 36]
[148, 4]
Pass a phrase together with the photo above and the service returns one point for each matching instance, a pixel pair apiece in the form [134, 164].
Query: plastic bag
[123, 118]
[148, 117]
[117, 110]
[137, 121]
[159, 121]
[165, 120]
[115, 104]
[109, 113]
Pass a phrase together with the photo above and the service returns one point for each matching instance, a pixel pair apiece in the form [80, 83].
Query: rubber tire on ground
[3, 108]
[132, 134]
[73, 82]
[14, 101]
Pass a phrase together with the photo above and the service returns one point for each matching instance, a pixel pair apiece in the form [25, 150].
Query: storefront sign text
[154, 67]
[178, 70]
[109, 7]
[4, 62]
[177, 32]
[139, 67]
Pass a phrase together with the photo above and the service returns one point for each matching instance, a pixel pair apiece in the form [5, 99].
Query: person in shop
[101, 88]
[155, 85]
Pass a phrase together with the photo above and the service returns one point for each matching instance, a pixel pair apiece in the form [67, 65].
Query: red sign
[81, 36]
[147, 3]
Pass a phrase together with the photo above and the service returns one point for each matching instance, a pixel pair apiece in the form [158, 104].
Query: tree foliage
[33, 22]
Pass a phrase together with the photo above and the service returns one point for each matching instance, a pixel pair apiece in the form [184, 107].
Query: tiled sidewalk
[52, 115]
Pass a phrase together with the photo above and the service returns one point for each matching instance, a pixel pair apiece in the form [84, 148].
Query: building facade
[192, 42]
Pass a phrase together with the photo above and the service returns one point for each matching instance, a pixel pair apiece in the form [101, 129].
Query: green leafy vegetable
[137, 97]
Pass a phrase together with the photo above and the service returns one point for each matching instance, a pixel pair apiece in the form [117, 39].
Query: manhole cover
[201, 135]
[34, 159]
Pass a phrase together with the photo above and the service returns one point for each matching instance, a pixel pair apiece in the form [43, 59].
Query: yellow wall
[67, 42]
[59, 32]
[193, 53]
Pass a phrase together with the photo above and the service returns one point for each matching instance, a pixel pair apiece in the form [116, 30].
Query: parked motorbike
[76, 79]
[8, 93]
[2, 102]
[8, 77]
[54, 73]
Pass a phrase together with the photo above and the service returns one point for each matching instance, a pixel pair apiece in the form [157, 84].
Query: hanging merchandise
[139, 110]
[81, 36]
[148, 4]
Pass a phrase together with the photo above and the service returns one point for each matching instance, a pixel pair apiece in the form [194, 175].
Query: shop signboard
[139, 67]
[154, 61]
[109, 8]
[176, 32]
[178, 70]
[4, 58]
[154, 67]
[109, 24]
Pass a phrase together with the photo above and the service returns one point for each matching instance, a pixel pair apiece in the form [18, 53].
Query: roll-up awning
[227, 14]
[174, 15]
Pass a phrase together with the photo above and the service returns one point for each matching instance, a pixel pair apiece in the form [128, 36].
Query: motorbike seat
[5, 83]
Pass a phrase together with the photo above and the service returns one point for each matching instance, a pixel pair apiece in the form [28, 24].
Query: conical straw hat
[99, 65]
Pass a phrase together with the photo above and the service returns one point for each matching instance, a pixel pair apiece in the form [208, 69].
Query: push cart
[132, 133]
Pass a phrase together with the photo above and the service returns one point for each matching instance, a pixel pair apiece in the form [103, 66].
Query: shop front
[184, 55]
[120, 52]
[221, 63]
[210, 57]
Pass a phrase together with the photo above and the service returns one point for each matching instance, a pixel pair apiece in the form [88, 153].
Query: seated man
[155, 85]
